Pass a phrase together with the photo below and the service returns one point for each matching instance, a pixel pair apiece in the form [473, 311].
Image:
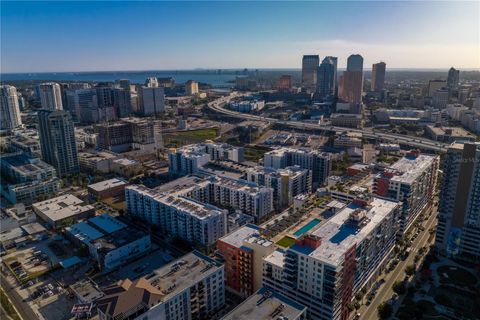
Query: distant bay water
[213, 77]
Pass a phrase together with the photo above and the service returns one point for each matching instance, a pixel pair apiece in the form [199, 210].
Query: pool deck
[315, 213]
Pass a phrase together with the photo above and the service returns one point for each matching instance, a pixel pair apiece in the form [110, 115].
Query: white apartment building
[286, 183]
[177, 215]
[50, 96]
[412, 181]
[329, 265]
[9, 108]
[29, 178]
[191, 287]
[188, 159]
[319, 163]
[241, 195]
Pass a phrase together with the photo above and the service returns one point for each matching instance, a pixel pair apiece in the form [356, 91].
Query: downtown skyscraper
[327, 78]
[378, 76]
[351, 82]
[50, 96]
[57, 141]
[453, 78]
[309, 72]
[458, 229]
[9, 108]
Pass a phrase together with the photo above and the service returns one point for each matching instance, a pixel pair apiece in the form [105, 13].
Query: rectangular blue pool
[306, 227]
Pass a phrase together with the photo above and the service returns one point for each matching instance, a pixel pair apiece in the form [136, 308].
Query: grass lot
[286, 242]
[192, 136]
[457, 276]
[7, 306]
[255, 153]
[115, 205]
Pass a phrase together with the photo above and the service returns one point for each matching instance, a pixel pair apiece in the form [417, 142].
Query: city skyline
[168, 33]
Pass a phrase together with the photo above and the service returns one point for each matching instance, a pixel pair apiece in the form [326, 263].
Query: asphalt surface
[22, 307]
[385, 292]
[416, 142]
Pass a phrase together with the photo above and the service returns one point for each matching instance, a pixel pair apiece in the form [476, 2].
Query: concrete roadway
[385, 292]
[23, 308]
[416, 142]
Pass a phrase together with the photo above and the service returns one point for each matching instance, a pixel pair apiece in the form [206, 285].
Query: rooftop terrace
[158, 286]
[265, 305]
[237, 237]
[408, 169]
[339, 234]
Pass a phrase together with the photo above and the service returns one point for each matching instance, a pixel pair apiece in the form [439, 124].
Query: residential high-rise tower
[57, 141]
[9, 108]
[50, 96]
[458, 229]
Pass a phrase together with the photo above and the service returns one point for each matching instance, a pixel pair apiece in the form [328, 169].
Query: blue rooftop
[67, 263]
[107, 223]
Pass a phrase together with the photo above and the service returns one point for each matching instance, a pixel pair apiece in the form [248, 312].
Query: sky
[132, 35]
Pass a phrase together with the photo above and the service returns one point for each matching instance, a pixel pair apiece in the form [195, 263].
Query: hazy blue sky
[90, 36]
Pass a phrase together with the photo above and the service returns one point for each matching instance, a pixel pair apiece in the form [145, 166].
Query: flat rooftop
[410, 168]
[33, 228]
[107, 184]
[171, 194]
[266, 304]
[126, 162]
[118, 239]
[237, 237]
[242, 185]
[26, 165]
[338, 235]
[62, 207]
[283, 150]
[158, 286]
[97, 156]
[453, 131]
[107, 223]
[276, 258]
[84, 232]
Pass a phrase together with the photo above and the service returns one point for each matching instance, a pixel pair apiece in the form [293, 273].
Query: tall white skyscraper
[151, 82]
[9, 108]
[50, 96]
[152, 100]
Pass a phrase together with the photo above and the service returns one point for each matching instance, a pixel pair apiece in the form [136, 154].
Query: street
[22, 307]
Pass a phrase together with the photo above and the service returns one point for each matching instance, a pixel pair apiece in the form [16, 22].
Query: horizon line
[235, 69]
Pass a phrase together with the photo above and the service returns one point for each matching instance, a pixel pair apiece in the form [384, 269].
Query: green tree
[410, 270]
[399, 287]
[385, 310]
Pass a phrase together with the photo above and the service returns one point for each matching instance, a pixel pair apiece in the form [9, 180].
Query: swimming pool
[306, 227]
